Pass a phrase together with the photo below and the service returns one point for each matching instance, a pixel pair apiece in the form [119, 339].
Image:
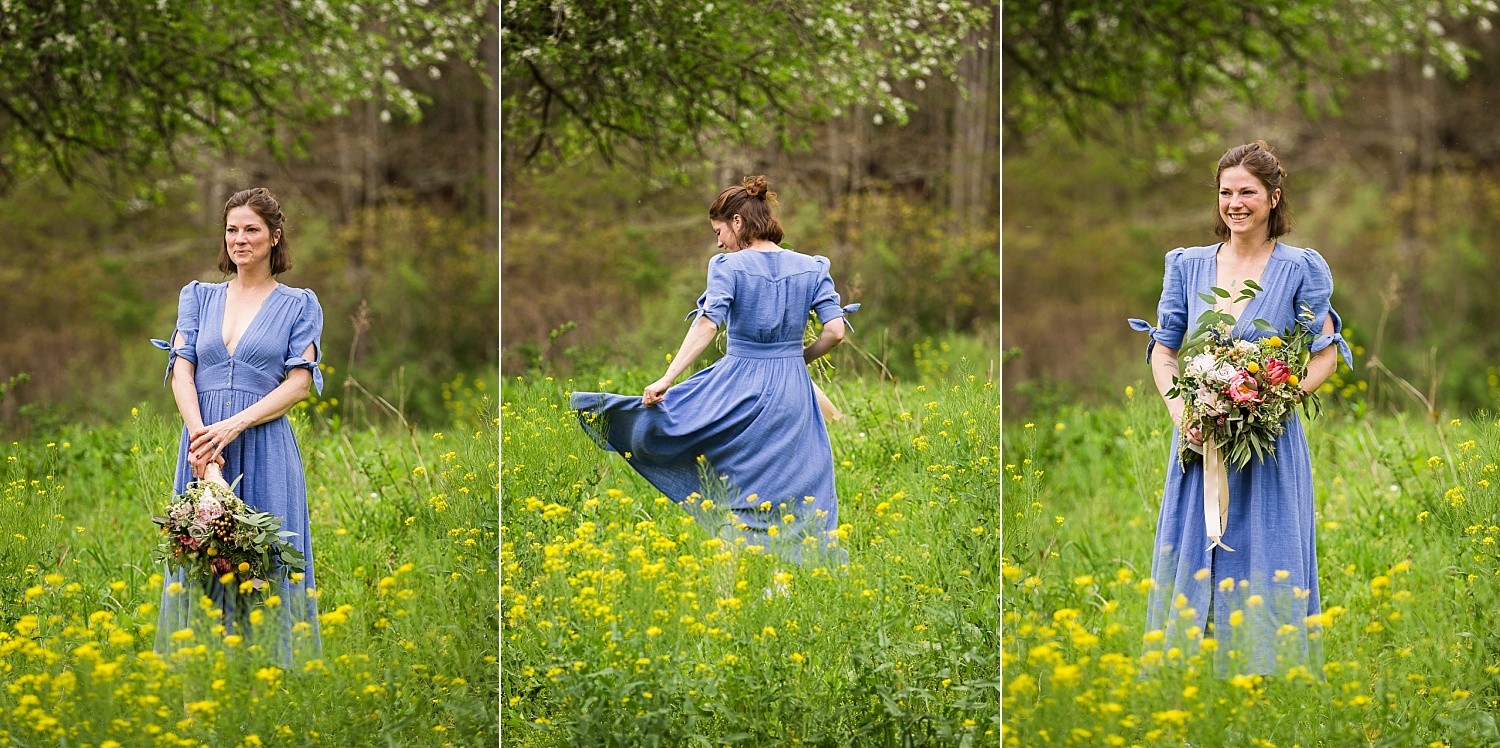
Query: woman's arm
[211, 440]
[1322, 364]
[832, 335]
[1163, 369]
[185, 392]
[693, 344]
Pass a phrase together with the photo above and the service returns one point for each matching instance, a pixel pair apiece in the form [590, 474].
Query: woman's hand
[208, 443]
[1191, 431]
[655, 392]
[199, 465]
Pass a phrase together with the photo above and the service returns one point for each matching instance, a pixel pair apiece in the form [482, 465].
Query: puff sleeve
[714, 303]
[1171, 310]
[187, 325]
[1315, 298]
[825, 299]
[307, 329]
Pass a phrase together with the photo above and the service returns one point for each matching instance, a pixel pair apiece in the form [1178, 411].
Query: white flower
[1200, 365]
[181, 512]
[1247, 347]
[1222, 375]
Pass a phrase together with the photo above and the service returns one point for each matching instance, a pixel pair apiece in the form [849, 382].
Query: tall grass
[626, 624]
[404, 539]
[1406, 527]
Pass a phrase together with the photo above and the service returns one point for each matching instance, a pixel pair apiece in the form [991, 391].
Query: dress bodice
[764, 297]
[288, 321]
[1295, 279]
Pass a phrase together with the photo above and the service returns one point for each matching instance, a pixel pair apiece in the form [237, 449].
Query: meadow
[1406, 512]
[625, 623]
[404, 540]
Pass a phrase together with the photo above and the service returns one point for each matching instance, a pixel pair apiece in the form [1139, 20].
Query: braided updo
[752, 200]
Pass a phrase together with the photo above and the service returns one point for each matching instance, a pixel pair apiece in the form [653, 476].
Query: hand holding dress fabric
[656, 392]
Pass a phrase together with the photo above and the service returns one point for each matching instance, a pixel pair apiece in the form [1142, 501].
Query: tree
[660, 78]
[139, 83]
[1075, 61]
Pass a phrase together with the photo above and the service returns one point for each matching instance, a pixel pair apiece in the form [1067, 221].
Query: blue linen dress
[741, 444]
[264, 458]
[1272, 575]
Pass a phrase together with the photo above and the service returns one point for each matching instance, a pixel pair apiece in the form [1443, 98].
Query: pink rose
[1243, 388]
[1211, 402]
[1276, 371]
[209, 509]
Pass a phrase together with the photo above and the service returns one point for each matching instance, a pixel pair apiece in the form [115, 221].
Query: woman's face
[247, 238]
[1244, 204]
[728, 241]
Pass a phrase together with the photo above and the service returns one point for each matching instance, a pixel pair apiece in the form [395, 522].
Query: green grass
[626, 624]
[1406, 530]
[405, 542]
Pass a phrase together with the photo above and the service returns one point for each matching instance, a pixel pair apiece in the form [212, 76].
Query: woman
[244, 352]
[742, 444]
[1271, 575]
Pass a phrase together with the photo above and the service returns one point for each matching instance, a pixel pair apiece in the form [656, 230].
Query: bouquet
[213, 535]
[1240, 393]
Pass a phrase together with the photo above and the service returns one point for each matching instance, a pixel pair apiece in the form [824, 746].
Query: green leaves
[135, 82]
[1084, 63]
[659, 78]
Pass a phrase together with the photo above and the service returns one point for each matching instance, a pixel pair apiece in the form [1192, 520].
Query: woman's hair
[265, 205]
[752, 200]
[1260, 161]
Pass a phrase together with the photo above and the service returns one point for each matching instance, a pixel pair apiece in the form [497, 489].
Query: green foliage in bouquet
[214, 536]
[1241, 392]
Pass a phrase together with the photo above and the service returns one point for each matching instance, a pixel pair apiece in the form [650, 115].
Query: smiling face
[724, 231]
[1245, 204]
[247, 239]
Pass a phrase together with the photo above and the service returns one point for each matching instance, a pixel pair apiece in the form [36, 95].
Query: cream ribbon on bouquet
[1216, 478]
[1215, 494]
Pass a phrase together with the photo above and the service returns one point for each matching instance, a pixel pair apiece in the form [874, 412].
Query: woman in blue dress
[244, 353]
[1256, 600]
[742, 444]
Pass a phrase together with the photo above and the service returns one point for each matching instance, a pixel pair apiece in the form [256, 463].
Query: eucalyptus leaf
[1219, 292]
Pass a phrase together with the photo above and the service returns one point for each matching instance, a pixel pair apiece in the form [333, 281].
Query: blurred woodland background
[876, 122]
[124, 129]
[1114, 121]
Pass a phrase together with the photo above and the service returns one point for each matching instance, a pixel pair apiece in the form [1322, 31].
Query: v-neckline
[224, 307]
[1254, 302]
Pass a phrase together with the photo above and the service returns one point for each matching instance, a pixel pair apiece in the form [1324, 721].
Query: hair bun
[760, 188]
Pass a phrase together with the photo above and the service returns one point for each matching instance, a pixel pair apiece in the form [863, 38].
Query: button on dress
[1272, 575]
[265, 458]
[741, 444]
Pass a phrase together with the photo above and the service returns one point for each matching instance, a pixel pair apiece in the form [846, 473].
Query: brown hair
[752, 200]
[1262, 163]
[265, 205]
